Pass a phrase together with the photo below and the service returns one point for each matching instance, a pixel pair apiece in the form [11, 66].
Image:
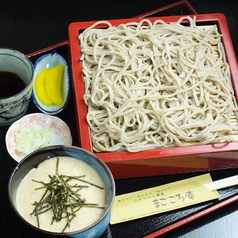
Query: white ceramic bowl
[60, 132]
[49, 61]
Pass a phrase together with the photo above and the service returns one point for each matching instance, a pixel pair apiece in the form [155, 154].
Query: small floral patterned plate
[35, 131]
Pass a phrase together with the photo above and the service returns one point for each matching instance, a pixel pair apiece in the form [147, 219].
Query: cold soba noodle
[150, 85]
[92, 194]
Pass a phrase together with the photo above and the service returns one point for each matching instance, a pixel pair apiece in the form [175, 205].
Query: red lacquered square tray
[162, 160]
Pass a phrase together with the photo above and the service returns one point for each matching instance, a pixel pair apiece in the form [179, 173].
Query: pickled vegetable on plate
[49, 85]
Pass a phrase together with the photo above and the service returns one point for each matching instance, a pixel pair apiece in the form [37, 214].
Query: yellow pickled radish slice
[53, 84]
[40, 87]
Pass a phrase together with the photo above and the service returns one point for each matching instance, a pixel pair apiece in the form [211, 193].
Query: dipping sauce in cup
[16, 79]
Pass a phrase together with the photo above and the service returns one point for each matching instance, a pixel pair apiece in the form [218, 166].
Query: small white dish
[49, 61]
[60, 132]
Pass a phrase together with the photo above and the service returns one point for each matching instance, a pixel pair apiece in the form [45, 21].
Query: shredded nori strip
[62, 198]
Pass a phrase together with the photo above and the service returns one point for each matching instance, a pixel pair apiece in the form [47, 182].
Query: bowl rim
[55, 147]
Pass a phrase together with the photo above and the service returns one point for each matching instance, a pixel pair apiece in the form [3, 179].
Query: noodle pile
[150, 85]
